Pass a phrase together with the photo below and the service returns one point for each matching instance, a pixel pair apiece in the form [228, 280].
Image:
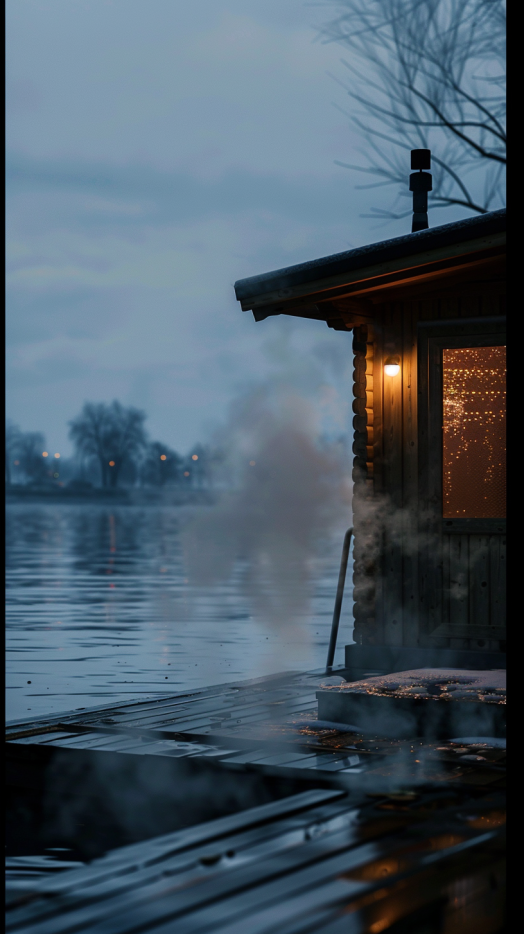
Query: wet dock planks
[331, 830]
[263, 720]
[323, 861]
[268, 723]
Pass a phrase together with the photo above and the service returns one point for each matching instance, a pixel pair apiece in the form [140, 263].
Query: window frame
[433, 339]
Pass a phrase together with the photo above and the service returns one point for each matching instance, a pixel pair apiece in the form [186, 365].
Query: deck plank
[251, 869]
[280, 832]
[197, 899]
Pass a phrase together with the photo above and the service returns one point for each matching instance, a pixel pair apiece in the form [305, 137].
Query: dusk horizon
[153, 159]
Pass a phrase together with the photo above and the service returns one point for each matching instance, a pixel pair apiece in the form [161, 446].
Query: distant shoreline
[122, 497]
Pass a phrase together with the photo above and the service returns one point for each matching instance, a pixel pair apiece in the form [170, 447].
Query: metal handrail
[338, 599]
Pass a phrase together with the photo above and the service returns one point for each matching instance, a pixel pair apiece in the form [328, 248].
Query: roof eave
[368, 270]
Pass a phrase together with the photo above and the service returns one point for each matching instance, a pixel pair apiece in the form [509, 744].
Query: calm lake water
[100, 610]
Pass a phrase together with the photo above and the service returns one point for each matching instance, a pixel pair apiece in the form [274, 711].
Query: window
[474, 432]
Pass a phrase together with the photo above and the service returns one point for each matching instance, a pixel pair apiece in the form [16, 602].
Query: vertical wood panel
[392, 396]
[446, 575]
[433, 582]
[479, 582]
[410, 478]
[423, 458]
[378, 435]
[429, 588]
[458, 582]
[497, 576]
[378, 469]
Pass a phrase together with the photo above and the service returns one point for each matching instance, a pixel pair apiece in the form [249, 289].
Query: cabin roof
[435, 244]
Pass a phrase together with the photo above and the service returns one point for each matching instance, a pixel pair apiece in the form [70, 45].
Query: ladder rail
[338, 600]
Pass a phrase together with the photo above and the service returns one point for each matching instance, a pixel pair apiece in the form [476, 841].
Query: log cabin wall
[413, 584]
[416, 581]
[366, 548]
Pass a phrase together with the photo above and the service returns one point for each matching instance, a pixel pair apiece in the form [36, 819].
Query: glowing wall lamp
[392, 366]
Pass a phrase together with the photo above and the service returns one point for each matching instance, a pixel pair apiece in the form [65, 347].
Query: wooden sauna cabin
[427, 314]
[256, 805]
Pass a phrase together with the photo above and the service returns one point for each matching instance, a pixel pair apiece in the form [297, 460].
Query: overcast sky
[158, 151]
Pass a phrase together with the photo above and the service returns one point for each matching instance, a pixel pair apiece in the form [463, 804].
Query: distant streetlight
[57, 455]
[186, 473]
[163, 457]
[45, 454]
[111, 463]
[252, 463]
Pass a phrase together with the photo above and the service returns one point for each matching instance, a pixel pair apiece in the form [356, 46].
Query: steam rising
[291, 488]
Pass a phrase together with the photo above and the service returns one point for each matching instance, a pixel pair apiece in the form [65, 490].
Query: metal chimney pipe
[420, 183]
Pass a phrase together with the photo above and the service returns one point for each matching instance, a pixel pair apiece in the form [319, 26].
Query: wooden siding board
[410, 478]
[435, 581]
[479, 583]
[423, 484]
[457, 579]
[393, 450]
[497, 576]
[377, 416]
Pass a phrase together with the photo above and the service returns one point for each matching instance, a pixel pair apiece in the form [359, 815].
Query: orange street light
[163, 457]
[194, 457]
[57, 455]
[186, 473]
[111, 463]
[45, 454]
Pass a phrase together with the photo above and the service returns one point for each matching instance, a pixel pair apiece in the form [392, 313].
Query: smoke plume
[290, 487]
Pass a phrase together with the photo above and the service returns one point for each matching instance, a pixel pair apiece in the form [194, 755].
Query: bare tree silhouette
[160, 465]
[427, 74]
[112, 433]
[29, 453]
[13, 436]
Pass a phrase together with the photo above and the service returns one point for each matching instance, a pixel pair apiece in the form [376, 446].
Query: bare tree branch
[422, 68]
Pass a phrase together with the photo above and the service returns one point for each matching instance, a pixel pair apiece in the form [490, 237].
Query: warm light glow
[194, 457]
[474, 432]
[392, 366]
[186, 473]
[252, 463]
[111, 463]
[57, 455]
[163, 457]
[16, 463]
[379, 925]
[45, 454]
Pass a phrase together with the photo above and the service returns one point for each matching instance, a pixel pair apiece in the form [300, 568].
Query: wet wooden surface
[268, 723]
[372, 829]
[325, 861]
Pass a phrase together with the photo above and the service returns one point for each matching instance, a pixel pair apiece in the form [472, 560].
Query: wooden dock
[233, 808]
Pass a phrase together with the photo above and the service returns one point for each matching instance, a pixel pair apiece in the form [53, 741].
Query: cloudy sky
[158, 151]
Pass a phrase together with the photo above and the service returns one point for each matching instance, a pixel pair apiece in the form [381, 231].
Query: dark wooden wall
[414, 585]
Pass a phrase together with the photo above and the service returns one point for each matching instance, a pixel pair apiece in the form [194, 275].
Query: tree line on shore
[111, 449]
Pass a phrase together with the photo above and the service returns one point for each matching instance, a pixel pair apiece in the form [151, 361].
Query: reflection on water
[99, 609]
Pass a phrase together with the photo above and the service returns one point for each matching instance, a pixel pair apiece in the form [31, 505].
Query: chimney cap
[420, 158]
